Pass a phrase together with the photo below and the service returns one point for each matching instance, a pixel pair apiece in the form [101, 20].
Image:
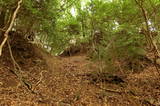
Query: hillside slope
[70, 81]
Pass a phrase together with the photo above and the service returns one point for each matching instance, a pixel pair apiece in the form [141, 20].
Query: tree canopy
[56, 23]
[108, 43]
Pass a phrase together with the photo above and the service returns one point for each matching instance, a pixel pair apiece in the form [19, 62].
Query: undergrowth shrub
[123, 50]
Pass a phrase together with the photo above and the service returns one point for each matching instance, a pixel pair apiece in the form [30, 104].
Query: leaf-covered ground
[70, 81]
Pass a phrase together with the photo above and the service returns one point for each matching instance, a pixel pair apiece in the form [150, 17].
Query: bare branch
[149, 34]
[10, 26]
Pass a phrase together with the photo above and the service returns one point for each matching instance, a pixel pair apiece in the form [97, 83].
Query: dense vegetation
[54, 24]
[119, 34]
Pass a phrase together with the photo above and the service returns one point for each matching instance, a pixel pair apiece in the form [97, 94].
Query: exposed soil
[71, 81]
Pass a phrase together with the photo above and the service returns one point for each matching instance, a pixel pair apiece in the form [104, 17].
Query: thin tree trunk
[83, 26]
[149, 34]
[10, 26]
[2, 21]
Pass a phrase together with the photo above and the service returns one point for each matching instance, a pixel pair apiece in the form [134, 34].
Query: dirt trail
[71, 87]
[63, 82]
[68, 85]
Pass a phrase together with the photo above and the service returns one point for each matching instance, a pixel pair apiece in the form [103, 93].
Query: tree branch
[149, 34]
[17, 70]
[10, 26]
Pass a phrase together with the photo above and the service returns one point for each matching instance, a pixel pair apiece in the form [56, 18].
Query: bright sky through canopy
[83, 3]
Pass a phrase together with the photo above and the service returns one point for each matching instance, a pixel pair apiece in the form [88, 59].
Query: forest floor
[71, 81]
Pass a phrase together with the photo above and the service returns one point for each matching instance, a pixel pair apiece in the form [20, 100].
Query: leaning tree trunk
[11, 22]
[149, 36]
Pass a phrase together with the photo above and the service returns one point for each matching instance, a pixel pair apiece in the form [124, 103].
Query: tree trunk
[2, 23]
[2, 20]
[83, 26]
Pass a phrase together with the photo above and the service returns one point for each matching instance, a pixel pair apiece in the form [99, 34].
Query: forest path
[65, 81]
[69, 85]
[74, 88]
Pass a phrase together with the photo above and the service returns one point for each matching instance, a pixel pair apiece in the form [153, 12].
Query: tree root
[17, 70]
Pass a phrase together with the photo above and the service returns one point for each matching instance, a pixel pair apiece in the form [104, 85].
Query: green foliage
[116, 24]
[120, 24]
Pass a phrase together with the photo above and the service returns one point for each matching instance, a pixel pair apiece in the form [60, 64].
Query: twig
[111, 91]
[40, 80]
[1, 29]
[10, 26]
